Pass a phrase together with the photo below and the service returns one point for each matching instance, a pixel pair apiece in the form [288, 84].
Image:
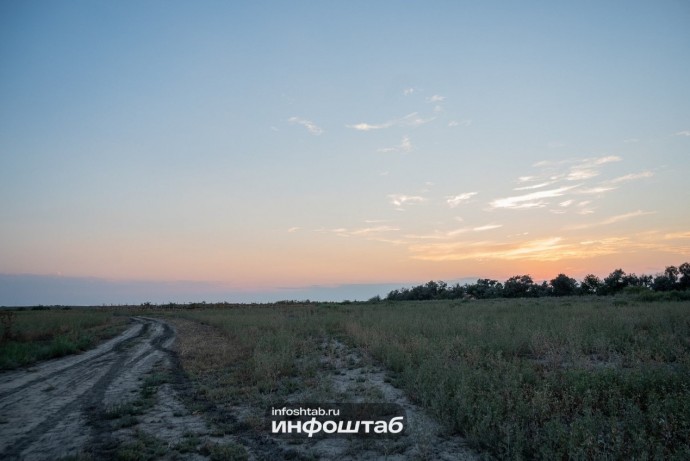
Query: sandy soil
[355, 378]
[127, 397]
[56, 409]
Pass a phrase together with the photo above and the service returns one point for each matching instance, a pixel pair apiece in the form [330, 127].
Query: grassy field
[32, 335]
[574, 378]
[567, 378]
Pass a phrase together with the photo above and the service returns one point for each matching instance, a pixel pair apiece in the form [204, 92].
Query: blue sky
[260, 146]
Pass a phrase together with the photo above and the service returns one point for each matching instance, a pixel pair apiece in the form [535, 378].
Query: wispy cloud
[549, 248]
[408, 91]
[611, 220]
[625, 217]
[531, 200]
[585, 172]
[374, 230]
[487, 227]
[683, 133]
[410, 120]
[457, 200]
[580, 174]
[370, 127]
[453, 233]
[595, 190]
[579, 163]
[435, 98]
[535, 186]
[439, 235]
[309, 125]
[404, 146]
[542, 249]
[400, 200]
[414, 120]
[677, 235]
[603, 160]
[377, 233]
[466, 122]
[293, 229]
[365, 231]
[631, 177]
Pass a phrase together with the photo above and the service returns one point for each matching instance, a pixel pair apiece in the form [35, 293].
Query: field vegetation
[30, 335]
[672, 284]
[576, 377]
[549, 378]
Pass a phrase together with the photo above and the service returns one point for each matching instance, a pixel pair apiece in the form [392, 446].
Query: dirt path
[55, 409]
[126, 399]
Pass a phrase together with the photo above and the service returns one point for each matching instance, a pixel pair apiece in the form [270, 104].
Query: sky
[242, 151]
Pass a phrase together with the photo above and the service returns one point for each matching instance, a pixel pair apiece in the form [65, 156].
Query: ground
[130, 398]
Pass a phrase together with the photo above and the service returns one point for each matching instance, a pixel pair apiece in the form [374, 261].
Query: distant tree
[563, 285]
[456, 291]
[519, 286]
[661, 282]
[485, 288]
[672, 273]
[631, 280]
[542, 290]
[645, 280]
[684, 282]
[673, 278]
[614, 282]
[667, 281]
[590, 285]
[442, 290]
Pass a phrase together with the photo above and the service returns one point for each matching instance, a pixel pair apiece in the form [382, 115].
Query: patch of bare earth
[355, 378]
[121, 400]
[344, 375]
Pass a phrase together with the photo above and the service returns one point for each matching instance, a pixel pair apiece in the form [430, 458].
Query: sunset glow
[277, 146]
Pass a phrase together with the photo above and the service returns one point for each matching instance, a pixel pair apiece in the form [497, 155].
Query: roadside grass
[260, 356]
[34, 335]
[529, 378]
[546, 379]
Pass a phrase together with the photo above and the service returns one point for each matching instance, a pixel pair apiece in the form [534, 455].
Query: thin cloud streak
[562, 172]
[611, 220]
[487, 227]
[308, 124]
[399, 200]
[531, 200]
[466, 122]
[544, 249]
[435, 98]
[448, 235]
[631, 177]
[459, 251]
[410, 120]
[457, 200]
[404, 146]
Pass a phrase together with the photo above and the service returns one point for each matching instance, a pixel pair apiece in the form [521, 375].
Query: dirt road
[55, 409]
[124, 400]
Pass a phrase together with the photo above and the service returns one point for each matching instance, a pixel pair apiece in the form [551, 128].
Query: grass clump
[34, 335]
[145, 447]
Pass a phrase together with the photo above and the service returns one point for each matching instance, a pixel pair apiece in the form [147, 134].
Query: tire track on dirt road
[46, 410]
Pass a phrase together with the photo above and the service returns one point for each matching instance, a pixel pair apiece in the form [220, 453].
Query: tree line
[523, 286]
